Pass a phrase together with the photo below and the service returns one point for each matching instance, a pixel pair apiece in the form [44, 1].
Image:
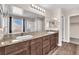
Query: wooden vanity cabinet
[36, 46]
[21, 48]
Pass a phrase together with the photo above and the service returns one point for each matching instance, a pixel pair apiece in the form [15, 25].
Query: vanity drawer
[52, 36]
[45, 38]
[15, 47]
[36, 49]
[24, 51]
[37, 40]
[56, 35]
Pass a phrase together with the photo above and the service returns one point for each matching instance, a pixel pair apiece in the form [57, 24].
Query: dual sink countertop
[25, 38]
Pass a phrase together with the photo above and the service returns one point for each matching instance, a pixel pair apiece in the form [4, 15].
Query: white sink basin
[26, 37]
[50, 32]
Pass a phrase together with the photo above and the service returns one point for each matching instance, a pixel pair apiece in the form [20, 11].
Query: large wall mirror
[26, 22]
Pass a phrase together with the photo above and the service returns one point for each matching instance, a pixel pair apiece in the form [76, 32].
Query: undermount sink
[50, 32]
[26, 37]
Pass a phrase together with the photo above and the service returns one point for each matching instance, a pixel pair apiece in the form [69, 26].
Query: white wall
[66, 29]
[57, 14]
[74, 30]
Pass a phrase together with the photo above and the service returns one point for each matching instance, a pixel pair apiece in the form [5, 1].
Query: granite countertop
[13, 41]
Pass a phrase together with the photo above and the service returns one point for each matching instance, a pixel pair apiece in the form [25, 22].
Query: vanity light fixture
[38, 8]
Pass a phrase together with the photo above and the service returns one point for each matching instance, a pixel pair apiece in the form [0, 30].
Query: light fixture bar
[38, 8]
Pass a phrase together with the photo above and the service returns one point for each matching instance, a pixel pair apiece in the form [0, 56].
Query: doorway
[74, 29]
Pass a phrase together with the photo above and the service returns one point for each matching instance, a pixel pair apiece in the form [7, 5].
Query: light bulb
[32, 5]
[36, 7]
[44, 10]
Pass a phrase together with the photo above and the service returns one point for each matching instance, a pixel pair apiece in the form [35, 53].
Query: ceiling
[65, 7]
[52, 7]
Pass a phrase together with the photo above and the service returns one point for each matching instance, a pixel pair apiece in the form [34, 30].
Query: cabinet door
[46, 50]
[54, 41]
[39, 49]
[46, 45]
[36, 47]
[2, 51]
[46, 41]
[33, 49]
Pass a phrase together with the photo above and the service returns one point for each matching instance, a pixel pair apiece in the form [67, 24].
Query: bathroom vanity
[39, 44]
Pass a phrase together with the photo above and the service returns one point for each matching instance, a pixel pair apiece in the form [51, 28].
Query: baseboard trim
[66, 41]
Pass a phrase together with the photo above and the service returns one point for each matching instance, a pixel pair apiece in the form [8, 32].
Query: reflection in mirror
[32, 23]
[17, 25]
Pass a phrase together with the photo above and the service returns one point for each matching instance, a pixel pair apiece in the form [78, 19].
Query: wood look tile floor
[66, 49]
